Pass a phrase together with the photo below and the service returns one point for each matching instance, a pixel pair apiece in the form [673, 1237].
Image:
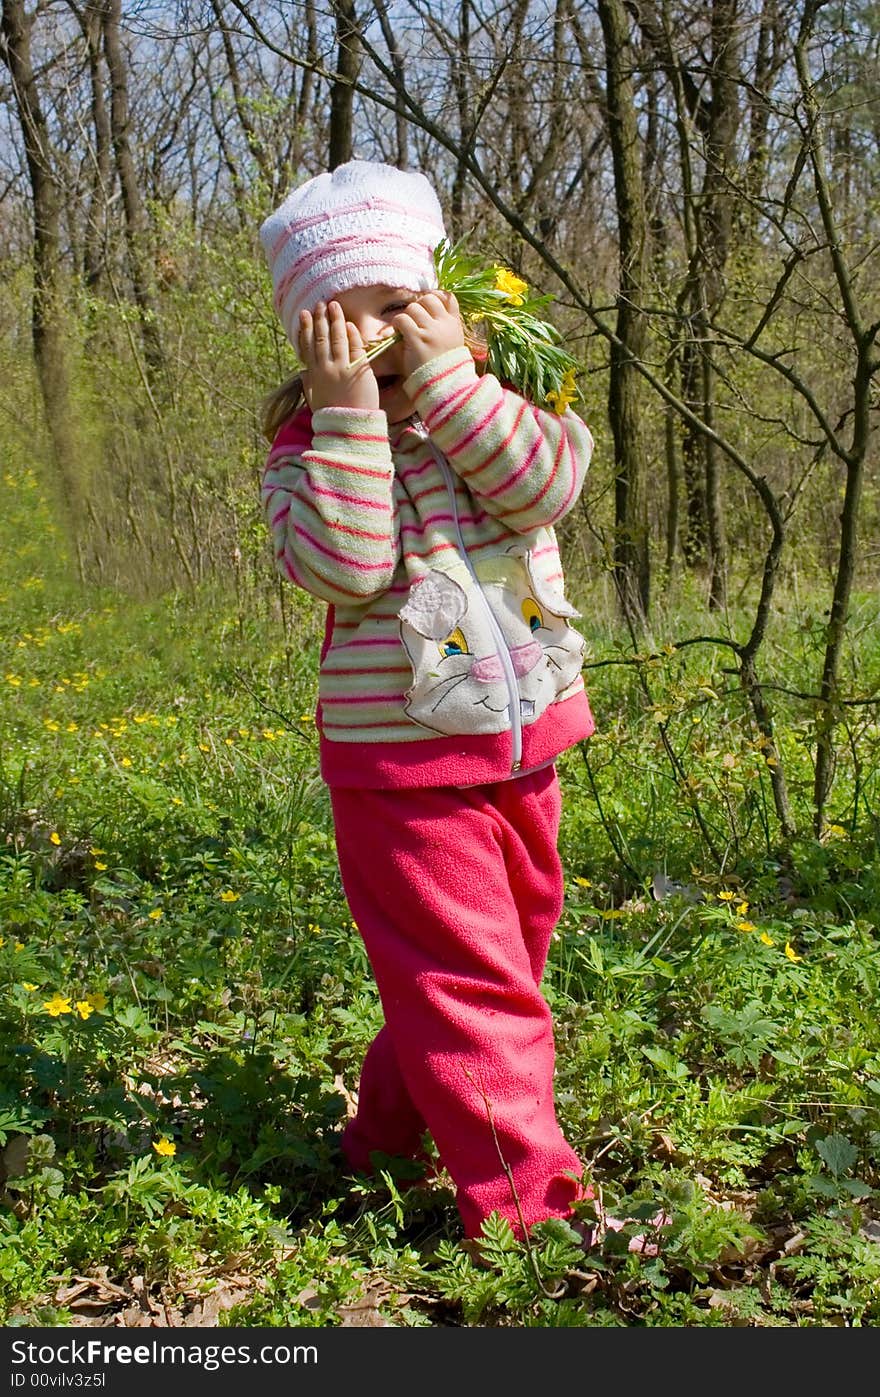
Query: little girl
[417, 498]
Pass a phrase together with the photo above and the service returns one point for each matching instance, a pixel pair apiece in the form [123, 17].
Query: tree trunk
[101, 176]
[136, 226]
[631, 551]
[348, 62]
[48, 315]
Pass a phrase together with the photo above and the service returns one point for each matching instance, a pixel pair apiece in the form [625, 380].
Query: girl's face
[372, 309]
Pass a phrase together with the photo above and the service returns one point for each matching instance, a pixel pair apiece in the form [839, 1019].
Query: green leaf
[672, 1066]
[839, 1153]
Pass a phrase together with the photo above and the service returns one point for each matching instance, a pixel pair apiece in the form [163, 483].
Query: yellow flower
[767, 940]
[791, 953]
[156, 915]
[97, 999]
[18, 946]
[126, 761]
[101, 867]
[742, 908]
[203, 747]
[726, 896]
[513, 285]
[27, 985]
[745, 926]
[583, 882]
[165, 1147]
[567, 393]
[57, 1005]
[229, 896]
[54, 838]
[84, 1008]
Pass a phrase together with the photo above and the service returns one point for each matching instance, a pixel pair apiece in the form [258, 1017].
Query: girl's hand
[329, 347]
[428, 327]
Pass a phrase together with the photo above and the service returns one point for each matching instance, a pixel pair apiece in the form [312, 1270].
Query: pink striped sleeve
[525, 465]
[327, 497]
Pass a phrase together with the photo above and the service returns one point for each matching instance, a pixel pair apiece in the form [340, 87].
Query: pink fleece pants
[456, 893]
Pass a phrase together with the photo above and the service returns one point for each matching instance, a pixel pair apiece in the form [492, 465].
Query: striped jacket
[448, 656]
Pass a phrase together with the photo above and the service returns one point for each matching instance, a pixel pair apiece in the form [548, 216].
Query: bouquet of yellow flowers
[523, 349]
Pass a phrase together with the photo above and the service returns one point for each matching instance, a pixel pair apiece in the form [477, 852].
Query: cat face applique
[460, 682]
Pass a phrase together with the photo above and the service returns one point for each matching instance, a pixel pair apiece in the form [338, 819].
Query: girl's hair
[280, 405]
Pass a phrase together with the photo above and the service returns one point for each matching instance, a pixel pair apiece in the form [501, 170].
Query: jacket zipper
[503, 649]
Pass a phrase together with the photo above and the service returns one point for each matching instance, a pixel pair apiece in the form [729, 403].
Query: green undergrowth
[184, 1001]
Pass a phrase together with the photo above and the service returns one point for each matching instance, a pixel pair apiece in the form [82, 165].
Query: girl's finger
[438, 303]
[416, 312]
[305, 338]
[321, 333]
[448, 300]
[337, 331]
[355, 343]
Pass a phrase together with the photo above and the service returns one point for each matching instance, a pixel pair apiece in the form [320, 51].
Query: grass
[184, 1001]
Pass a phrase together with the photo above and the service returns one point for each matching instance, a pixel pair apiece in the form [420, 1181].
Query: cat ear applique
[546, 595]
[435, 605]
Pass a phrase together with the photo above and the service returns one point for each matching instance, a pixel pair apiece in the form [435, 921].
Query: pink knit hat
[362, 224]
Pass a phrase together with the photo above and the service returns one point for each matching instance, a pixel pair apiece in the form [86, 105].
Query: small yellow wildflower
[513, 285]
[96, 850]
[791, 953]
[156, 915]
[203, 747]
[742, 908]
[583, 882]
[101, 867]
[54, 838]
[767, 940]
[165, 1147]
[57, 1005]
[126, 761]
[18, 946]
[84, 1008]
[559, 400]
[229, 896]
[29, 986]
[97, 999]
[745, 926]
[726, 896]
